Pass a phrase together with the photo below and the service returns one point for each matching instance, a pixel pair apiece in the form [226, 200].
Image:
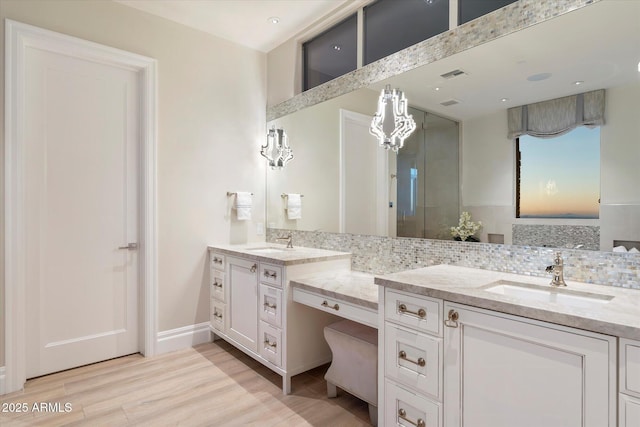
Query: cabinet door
[243, 302]
[505, 371]
[629, 411]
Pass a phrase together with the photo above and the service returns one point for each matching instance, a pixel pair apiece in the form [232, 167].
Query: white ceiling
[245, 22]
[598, 45]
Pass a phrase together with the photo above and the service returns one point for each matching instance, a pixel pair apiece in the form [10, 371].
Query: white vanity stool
[354, 367]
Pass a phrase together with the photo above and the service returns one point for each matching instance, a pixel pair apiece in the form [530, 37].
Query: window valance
[548, 119]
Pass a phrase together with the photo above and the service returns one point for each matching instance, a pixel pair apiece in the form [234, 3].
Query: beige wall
[314, 137]
[211, 123]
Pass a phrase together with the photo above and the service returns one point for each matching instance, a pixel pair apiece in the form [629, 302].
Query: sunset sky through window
[560, 177]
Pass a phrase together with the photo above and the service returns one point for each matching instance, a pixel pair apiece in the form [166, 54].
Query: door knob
[130, 246]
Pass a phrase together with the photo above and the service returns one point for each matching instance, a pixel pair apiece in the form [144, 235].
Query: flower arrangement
[466, 228]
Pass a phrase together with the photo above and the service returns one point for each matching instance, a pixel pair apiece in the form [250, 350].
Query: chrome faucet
[557, 270]
[289, 239]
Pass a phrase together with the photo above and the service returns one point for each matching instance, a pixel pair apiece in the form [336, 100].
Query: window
[559, 177]
[392, 25]
[331, 54]
[469, 10]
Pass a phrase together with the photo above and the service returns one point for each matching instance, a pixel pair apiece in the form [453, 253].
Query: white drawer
[414, 359]
[630, 367]
[217, 261]
[270, 343]
[218, 316]
[416, 312]
[270, 305]
[271, 274]
[340, 308]
[404, 408]
[217, 285]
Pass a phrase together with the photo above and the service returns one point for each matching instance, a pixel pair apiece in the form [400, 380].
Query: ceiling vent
[452, 74]
[449, 102]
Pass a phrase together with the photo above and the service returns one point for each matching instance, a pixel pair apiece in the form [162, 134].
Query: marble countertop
[279, 254]
[350, 286]
[619, 317]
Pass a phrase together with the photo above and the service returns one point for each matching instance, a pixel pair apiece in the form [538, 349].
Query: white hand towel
[243, 205]
[634, 250]
[619, 249]
[294, 206]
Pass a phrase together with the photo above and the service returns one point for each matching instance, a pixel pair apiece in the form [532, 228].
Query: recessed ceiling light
[273, 19]
[539, 77]
[436, 88]
[504, 99]
[337, 47]
[578, 82]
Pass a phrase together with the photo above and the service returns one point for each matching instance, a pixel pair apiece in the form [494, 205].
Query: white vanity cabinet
[503, 370]
[452, 365]
[252, 308]
[629, 398]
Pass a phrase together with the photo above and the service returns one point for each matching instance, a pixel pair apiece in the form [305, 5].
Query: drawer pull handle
[452, 320]
[336, 307]
[218, 315]
[216, 284]
[403, 415]
[270, 274]
[253, 268]
[271, 344]
[420, 362]
[420, 313]
[272, 306]
[217, 260]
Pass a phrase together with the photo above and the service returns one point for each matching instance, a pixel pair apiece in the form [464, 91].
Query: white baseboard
[185, 337]
[3, 388]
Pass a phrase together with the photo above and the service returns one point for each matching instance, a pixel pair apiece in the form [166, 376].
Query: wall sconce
[392, 124]
[277, 149]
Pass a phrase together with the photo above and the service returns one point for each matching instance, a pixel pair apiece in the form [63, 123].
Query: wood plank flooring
[213, 384]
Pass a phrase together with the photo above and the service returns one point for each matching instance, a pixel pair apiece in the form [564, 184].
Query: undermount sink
[557, 295]
[267, 250]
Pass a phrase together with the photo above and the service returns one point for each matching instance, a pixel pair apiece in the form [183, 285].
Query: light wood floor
[213, 384]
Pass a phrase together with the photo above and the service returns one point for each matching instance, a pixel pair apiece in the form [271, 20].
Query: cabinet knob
[270, 274]
[452, 320]
[403, 415]
[253, 268]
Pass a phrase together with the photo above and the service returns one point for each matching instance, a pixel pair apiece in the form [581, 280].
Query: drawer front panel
[217, 261]
[404, 408]
[271, 274]
[270, 343]
[414, 359]
[337, 307]
[270, 305]
[630, 367]
[219, 316]
[218, 287]
[421, 313]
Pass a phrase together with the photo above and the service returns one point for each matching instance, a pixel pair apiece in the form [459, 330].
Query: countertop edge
[535, 313]
[271, 260]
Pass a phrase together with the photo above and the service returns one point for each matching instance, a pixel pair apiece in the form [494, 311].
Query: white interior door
[364, 188]
[81, 194]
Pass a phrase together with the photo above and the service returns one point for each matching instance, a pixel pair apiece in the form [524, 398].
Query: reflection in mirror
[596, 45]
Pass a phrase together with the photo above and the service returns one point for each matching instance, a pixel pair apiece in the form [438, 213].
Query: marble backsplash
[383, 255]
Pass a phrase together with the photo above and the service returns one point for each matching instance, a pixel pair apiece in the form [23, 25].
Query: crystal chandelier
[392, 124]
[277, 149]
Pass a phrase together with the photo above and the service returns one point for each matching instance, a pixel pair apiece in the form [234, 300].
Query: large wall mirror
[460, 159]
